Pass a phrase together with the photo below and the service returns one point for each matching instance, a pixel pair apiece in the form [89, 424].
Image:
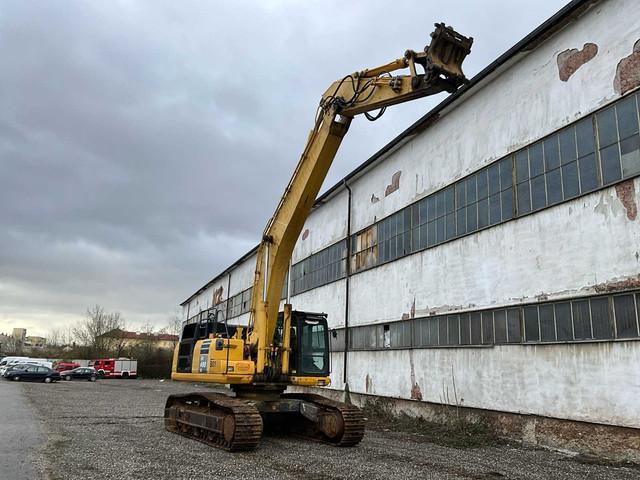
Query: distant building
[34, 342]
[7, 343]
[127, 339]
[19, 335]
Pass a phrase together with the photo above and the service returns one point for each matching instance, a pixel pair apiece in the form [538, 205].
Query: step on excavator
[279, 349]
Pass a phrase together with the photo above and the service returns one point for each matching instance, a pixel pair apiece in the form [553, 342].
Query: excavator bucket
[447, 51]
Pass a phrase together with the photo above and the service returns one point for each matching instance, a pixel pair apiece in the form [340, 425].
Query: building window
[608, 317]
[324, 267]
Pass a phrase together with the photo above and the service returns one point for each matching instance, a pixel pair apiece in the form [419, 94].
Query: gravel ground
[113, 429]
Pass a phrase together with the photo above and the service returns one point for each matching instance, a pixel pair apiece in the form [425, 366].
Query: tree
[91, 331]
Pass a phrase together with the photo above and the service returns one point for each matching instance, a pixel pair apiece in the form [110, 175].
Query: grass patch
[458, 433]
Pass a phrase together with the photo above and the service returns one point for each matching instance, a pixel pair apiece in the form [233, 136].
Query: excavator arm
[438, 68]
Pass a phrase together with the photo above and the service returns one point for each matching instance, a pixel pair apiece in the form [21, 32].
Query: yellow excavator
[278, 349]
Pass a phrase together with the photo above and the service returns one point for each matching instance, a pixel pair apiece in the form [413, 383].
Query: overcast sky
[143, 145]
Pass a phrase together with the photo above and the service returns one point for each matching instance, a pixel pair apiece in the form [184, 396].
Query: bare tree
[91, 331]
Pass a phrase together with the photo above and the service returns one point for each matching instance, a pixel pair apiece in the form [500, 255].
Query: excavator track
[351, 424]
[216, 419]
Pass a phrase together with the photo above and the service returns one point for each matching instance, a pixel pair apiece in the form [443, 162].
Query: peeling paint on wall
[305, 234]
[628, 72]
[217, 295]
[627, 195]
[374, 199]
[572, 59]
[412, 312]
[618, 285]
[416, 393]
[368, 384]
[394, 185]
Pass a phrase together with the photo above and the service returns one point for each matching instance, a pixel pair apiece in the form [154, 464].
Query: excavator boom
[291, 348]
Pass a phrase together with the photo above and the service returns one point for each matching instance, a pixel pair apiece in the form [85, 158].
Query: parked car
[64, 366]
[82, 373]
[35, 373]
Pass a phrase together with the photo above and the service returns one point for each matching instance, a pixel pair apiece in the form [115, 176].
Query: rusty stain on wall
[627, 195]
[627, 283]
[305, 234]
[374, 199]
[572, 59]
[416, 393]
[217, 295]
[628, 72]
[368, 384]
[394, 185]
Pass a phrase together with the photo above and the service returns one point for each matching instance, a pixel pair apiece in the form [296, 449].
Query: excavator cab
[309, 344]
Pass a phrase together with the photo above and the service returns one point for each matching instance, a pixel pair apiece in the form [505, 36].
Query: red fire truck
[116, 367]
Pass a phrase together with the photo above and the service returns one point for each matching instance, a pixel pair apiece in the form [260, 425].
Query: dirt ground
[113, 429]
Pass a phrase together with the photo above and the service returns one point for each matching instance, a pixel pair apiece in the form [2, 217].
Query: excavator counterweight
[278, 349]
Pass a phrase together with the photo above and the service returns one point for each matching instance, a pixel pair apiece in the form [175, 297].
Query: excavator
[278, 349]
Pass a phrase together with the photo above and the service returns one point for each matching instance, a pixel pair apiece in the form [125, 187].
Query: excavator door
[309, 344]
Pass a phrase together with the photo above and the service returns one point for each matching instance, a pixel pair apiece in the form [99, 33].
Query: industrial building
[488, 257]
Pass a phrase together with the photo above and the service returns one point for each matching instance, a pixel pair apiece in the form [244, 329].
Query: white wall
[324, 226]
[594, 382]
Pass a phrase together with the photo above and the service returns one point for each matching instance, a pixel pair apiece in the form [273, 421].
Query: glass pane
[465, 329]
[588, 173]
[581, 320]
[471, 189]
[563, 321]
[554, 186]
[431, 209]
[433, 331]
[428, 233]
[440, 230]
[625, 316]
[567, 145]
[570, 185]
[442, 330]
[451, 225]
[630, 150]
[454, 330]
[601, 318]
[607, 131]
[483, 213]
[472, 217]
[547, 325]
[551, 152]
[422, 210]
[440, 204]
[461, 194]
[487, 328]
[514, 332]
[476, 329]
[506, 171]
[522, 166]
[507, 204]
[461, 219]
[314, 351]
[524, 200]
[627, 117]
[415, 213]
[536, 161]
[538, 194]
[494, 209]
[531, 323]
[415, 239]
[585, 137]
[494, 179]
[610, 158]
[500, 326]
[483, 191]
[450, 199]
